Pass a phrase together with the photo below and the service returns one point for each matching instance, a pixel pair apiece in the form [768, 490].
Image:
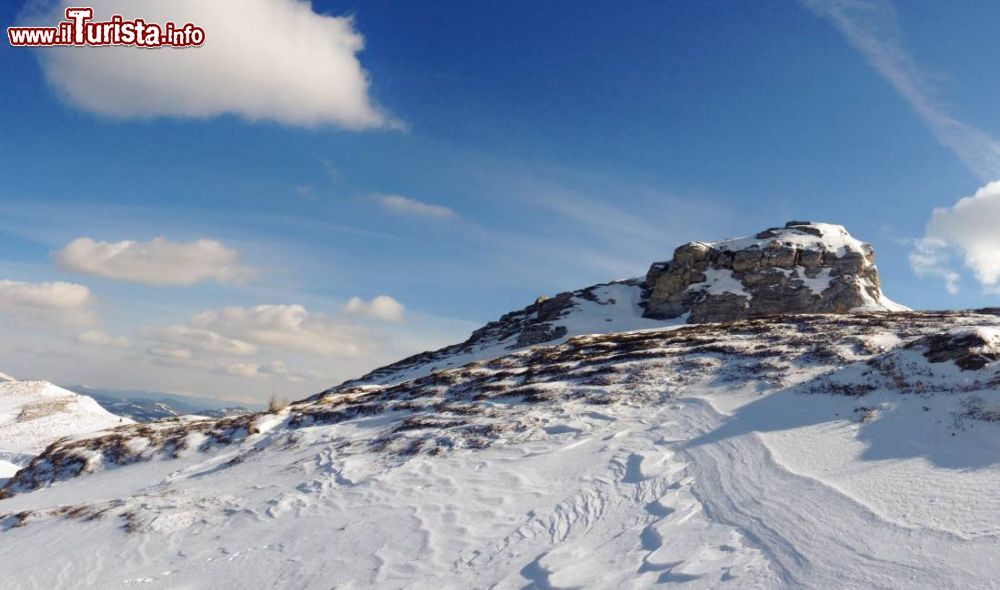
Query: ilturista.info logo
[80, 30]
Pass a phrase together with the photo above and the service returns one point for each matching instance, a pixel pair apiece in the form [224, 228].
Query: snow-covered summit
[803, 235]
[803, 267]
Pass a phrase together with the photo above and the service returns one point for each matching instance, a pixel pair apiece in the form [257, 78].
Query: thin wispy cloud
[965, 231]
[401, 205]
[872, 28]
[99, 338]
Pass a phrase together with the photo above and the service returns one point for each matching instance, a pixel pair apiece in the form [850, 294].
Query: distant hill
[148, 406]
[34, 414]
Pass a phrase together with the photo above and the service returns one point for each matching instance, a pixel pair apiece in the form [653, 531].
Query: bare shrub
[276, 404]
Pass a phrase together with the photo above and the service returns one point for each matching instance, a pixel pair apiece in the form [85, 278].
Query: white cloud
[181, 357]
[59, 301]
[250, 370]
[174, 353]
[262, 59]
[206, 340]
[406, 206]
[969, 229]
[44, 296]
[382, 307]
[157, 262]
[931, 257]
[98, 338]
[280, 369]
[872, 28]
[241, 341]
[289, 327]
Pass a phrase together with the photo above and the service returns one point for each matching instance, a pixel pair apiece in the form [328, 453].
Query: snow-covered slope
[34, 414]
[600, 309]
[819, 451]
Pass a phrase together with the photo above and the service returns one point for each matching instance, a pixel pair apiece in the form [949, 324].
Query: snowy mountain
[149, 406]
[803, 267]
[835, 450]
[34, 414]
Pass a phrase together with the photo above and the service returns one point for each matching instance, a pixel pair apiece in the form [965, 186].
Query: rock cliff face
[803, 267]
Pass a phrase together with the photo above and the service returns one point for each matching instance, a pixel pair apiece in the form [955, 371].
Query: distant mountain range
[148, 406]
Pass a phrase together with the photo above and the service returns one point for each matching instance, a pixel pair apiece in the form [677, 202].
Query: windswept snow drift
[827, 451]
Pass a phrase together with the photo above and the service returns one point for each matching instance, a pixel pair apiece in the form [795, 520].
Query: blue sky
[502, 150]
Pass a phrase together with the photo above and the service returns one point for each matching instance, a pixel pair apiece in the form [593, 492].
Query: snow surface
[708, 456]
[835, 238]
[617, 309]
[33, 414]
[718, 281]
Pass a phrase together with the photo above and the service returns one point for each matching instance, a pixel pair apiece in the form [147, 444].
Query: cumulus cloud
[275, 60]
[98, 338]
[157, 262]
[44, 296]
[243, 341]
[56, 300]
[289, 327]
[969, 230]
[382, 307]
[202, 339]
[401, 205]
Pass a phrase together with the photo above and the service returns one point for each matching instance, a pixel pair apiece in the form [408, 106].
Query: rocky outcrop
[803, 267]
[971, 349]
